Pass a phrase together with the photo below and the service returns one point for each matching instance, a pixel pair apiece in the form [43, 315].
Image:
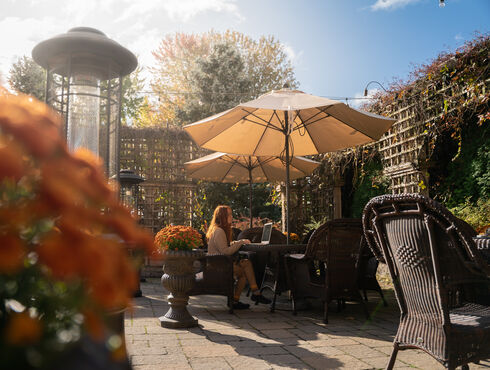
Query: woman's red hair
[220, 219]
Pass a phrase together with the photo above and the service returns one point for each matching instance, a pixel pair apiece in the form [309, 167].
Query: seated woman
[219, 242]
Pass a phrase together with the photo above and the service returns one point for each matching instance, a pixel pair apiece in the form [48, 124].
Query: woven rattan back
[343, 245]
[425, 248]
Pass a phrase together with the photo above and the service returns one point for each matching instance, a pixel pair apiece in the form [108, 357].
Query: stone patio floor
[257, 339]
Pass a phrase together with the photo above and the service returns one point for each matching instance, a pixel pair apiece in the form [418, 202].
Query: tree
[132, 99]
[27, 77]
[266, 66]
[215, 79]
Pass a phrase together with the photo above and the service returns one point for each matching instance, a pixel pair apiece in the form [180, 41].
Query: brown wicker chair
[335, 244]
[215, 278]
[367, 267]
[435, 269]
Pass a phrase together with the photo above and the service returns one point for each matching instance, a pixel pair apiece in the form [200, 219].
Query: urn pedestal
[178, 278]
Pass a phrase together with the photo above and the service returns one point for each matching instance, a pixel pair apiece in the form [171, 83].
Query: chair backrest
[425, 247]
[255, 235]
[340, 236]
[235, 231]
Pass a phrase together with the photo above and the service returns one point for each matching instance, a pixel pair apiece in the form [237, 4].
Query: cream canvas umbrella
[234, 168]
[286, 123]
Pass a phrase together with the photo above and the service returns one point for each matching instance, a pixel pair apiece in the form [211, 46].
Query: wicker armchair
[435, 268]
[367, 267]
[336, 245]
[215, 278]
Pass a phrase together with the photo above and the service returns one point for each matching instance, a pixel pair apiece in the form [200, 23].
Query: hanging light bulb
[442, 4]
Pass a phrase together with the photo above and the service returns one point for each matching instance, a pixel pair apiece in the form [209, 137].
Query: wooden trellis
[404, 148]
[159, 154]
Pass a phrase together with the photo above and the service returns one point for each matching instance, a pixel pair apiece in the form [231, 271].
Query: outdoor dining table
[274, 277]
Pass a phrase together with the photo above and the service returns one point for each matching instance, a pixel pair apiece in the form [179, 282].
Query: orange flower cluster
[178, 238]
[292, 236]
[57, 209]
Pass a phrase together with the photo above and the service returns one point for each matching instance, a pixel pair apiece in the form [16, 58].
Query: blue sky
[337, 46]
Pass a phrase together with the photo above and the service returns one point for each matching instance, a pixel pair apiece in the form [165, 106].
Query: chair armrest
[296, 256]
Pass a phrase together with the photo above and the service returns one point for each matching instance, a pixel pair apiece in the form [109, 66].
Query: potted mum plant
[177, 245]
[63, 284]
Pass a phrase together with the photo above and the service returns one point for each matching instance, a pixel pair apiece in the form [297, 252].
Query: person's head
[222, 217]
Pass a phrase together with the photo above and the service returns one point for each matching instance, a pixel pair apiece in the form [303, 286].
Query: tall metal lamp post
[84, 72]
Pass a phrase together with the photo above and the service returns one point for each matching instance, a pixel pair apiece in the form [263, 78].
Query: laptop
[266, 233]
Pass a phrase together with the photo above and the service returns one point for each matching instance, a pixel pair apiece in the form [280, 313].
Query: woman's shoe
[259, 298]
[240, 306]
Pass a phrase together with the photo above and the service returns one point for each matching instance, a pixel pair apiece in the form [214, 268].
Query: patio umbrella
[234, 168]
[286, 123]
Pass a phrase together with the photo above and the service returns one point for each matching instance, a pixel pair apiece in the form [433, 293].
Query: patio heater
[84, 72]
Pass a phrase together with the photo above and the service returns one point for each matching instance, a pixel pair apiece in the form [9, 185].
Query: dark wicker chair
[215, 278]
[437, 273]
[336, 245]
[367, 268]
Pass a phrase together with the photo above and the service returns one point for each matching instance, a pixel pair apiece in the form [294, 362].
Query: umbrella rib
[313, 141]
[263, 133]
[267, 123]
[306, 123]
[263, 169]
[226, 173]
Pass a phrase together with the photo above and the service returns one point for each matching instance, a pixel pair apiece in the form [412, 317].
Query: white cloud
[359, 98]
[391, 4]
[458, 37]
[24, 35]
[294, 57]
[178, 10]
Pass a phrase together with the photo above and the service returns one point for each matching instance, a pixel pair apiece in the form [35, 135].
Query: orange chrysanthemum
[22, 329]
[12, 254]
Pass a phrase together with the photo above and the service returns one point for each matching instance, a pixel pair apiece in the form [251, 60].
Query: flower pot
[178, 278]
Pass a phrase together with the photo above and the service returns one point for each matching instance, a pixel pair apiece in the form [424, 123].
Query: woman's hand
[245, 241]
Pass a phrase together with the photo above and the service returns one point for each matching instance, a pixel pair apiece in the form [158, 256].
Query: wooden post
[337, 194]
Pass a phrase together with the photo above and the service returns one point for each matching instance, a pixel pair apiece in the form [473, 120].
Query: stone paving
[257, 339]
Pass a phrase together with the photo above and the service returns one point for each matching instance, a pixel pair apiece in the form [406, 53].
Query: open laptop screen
[266, 233]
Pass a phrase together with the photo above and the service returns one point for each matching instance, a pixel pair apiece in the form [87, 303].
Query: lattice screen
[404, 148]
[159, 156]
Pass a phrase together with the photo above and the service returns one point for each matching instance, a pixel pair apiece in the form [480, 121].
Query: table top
[257, 247]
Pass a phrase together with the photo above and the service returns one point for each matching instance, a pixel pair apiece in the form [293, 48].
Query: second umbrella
[234, 168]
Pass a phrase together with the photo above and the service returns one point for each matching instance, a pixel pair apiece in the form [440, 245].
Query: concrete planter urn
[178, 278]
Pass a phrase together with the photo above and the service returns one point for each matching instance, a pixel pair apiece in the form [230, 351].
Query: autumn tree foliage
[27, 77]
[181, 58]
[219, 82]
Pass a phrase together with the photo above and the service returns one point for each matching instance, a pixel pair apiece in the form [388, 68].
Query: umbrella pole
[250, 194]
[286, 135]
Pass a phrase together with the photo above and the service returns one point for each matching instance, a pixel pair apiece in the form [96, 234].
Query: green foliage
[477, 214]
[132, 100]
[27, 77]
[213, 78]
[367, 183]
[314, 224]
[464, 178]
[209, 195]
